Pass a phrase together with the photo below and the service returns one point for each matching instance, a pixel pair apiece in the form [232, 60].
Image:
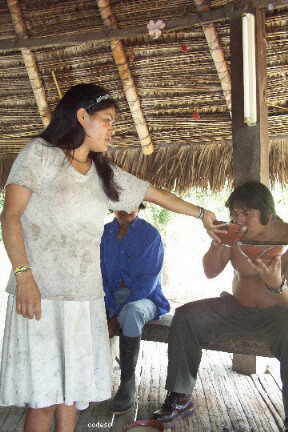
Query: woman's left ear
[81, 115]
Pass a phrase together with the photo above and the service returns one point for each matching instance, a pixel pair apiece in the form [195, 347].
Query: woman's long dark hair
[65, 132]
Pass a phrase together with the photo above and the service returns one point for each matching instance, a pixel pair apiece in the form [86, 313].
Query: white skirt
[62, 358]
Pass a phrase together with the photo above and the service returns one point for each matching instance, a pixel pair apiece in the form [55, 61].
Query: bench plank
[158, 331]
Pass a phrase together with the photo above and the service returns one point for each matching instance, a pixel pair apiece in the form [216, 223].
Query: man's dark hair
[253, 195]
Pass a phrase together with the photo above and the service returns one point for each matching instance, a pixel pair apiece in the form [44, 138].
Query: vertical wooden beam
[250, 143]
[262, 108]
[129, 88]
[30, 62]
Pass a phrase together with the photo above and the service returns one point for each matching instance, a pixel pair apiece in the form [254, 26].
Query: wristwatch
[283, 287]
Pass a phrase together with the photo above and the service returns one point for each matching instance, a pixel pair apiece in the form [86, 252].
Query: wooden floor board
[120, 421]
[153, 375]
[97, 418]
[14, 421]
[271, 394]
[215, 393]
[224, 400]
[4, 414]
[255, 403]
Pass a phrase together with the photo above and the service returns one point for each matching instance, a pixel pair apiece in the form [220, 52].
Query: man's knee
[194, 315]
[132, 319]
[189, 311]
[132, 308]
[132, 312]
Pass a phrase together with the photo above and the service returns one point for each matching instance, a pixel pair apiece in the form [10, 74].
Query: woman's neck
[80, 154]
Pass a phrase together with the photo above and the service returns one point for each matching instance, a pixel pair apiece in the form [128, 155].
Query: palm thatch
[175, 77]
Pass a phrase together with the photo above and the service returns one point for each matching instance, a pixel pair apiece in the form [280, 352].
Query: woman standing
[58, 192]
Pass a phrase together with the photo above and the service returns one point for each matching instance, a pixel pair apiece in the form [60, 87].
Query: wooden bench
[158, 331]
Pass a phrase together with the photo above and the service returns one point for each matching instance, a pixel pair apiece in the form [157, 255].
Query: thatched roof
[181, 96]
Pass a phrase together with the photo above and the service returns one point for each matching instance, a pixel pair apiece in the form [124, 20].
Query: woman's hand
[208, 221]
[28, 298]
[171, 202]
[271, 273]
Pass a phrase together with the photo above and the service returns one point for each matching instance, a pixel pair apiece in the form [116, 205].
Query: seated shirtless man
[259, 303]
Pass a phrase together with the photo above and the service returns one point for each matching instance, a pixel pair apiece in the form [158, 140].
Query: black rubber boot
[125, 396]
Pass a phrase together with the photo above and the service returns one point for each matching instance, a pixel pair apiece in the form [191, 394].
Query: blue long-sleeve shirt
[136, 259]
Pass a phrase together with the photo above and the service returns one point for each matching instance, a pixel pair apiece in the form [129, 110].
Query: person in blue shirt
[131, 262]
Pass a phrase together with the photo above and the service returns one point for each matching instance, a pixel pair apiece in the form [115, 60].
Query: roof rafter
[128, 84]
[30, 62]
[172, 25]
[217, 55]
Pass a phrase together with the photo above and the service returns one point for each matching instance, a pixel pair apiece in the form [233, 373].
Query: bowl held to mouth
[230, 232]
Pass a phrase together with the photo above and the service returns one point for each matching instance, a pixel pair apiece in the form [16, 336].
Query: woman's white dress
[65, 356]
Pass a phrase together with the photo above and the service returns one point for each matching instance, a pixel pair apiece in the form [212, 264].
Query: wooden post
[30, 63]
[250, 143]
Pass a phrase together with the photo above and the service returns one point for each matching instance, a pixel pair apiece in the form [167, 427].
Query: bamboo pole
[56, 84]
[129, 88]
[217, 55]
[30, 63]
